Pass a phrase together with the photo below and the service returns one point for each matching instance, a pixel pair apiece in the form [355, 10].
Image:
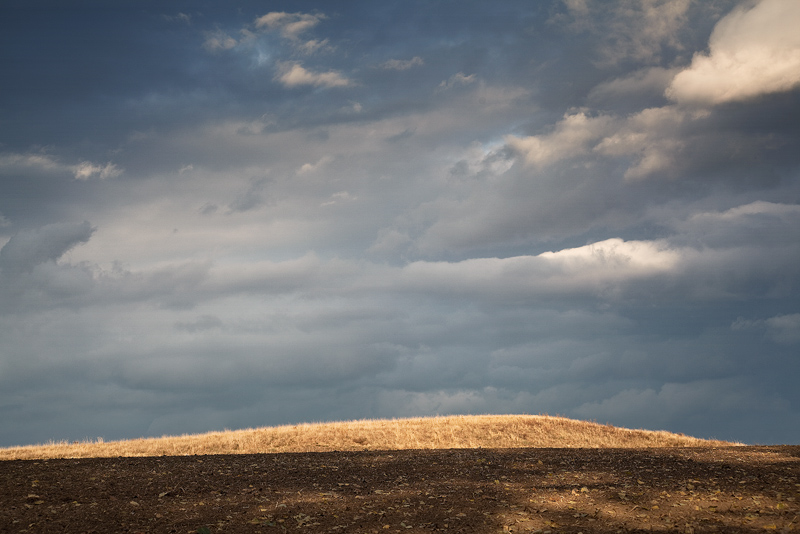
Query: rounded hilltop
[441, 432]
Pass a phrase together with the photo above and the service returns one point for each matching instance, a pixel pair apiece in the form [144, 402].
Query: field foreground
[689, 490]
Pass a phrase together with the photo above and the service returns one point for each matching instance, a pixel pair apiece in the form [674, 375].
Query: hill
[451, 432]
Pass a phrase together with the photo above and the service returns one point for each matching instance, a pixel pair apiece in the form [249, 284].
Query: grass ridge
[441, 432]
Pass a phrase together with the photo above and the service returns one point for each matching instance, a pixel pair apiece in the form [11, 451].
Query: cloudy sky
[247, 213]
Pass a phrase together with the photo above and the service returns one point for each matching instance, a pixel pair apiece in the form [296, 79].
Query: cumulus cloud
[219, 40]
[651, 139]
[457, 80]
[314, 45]
[86, 170]
[308, 168]
[651, 136]
[601, 268]
[11, 161]
[290, 25]
[292, 74]
[45, 162]
[571, 137]
[753, 51]
[686, 263]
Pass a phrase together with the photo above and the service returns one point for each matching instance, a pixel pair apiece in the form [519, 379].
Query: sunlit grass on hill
[450, 432]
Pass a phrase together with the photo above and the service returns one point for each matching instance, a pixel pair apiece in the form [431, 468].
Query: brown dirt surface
[689, 490]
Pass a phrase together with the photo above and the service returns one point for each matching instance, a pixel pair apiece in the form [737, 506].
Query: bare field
[689, 490]
[451, 432]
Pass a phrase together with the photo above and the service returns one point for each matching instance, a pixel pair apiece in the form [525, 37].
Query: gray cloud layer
[232, 217]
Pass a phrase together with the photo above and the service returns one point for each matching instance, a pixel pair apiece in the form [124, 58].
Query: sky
[222, 215]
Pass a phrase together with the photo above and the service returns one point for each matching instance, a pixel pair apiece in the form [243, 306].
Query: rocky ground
[736, 489]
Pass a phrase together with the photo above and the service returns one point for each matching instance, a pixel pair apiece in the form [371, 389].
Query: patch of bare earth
[690, 490]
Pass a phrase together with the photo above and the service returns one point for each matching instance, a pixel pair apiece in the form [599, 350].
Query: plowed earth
[736, 489]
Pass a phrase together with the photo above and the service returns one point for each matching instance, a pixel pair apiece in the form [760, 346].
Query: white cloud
[615, 259]
[218, 40]
[753, 51]
[44, 162]
[457, 80]
[290, 25]
[11, 161]
[308, 168]
[314, 45]
[293, 74]
[688, 263]
[601, 268]
[651, 137]
[87, 169]
[571, 137]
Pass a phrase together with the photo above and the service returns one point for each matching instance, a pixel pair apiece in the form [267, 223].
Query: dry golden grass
[451, 432]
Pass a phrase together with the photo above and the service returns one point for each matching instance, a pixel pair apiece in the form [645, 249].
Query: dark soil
[736, 489]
